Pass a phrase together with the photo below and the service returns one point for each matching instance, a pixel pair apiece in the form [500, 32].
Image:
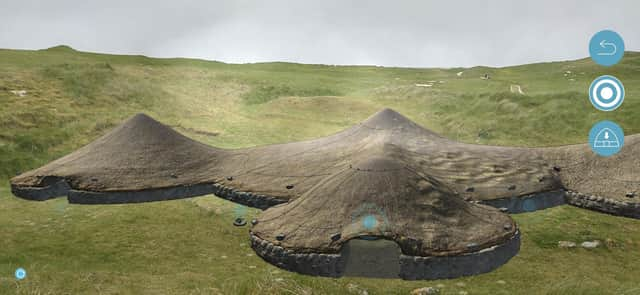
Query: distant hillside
[55, 100]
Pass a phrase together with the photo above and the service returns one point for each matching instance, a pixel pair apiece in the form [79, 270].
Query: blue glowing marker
[369, 222]
[21, 273]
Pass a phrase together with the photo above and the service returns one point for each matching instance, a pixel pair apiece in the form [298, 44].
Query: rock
[566, 244]
[501, 282]
[425, 291]
[278, 280]
[610, 243]
[20, 93]
[590, 244]
[353, 288]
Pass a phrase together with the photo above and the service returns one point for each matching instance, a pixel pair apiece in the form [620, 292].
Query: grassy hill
[190, 246]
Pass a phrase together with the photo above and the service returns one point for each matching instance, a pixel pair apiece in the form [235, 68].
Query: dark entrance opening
[371, 257]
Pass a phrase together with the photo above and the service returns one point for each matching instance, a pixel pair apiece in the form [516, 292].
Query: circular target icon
[20, 273]
[606, 93]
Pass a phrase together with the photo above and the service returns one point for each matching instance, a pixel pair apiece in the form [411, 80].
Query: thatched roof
[142, 155]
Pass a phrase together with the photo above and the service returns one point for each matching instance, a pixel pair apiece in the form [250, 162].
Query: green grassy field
[191, 247]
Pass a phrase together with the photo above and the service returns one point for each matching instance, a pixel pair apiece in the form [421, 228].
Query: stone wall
[446, 267]
[528, 203]
[316, 264]
[411, 267]
[61, 188]
[602, 204]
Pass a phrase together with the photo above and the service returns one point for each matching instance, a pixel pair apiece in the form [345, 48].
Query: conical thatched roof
[139, 154]
[385, 197]
[145, 156]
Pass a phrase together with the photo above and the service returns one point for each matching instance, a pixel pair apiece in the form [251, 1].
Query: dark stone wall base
[411, 267]
[605, 205]
[528, 203]
[61, 188]
[448, 267]
[58, 189]
[316, 264]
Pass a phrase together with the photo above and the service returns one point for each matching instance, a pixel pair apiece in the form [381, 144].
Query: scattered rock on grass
[610, 243]
[425, 291]
[20, 93]
[566, 244]
[590, 244]
[355, 289]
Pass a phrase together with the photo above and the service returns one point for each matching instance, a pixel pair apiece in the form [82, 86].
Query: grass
[191, 247]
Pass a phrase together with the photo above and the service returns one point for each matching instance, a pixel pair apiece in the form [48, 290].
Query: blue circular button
[606, 48]
[606, 93]
[20, 273]
[606, 138]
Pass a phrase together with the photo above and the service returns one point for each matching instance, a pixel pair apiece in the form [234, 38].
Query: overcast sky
[416, 33]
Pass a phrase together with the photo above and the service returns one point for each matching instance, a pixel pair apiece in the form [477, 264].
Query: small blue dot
[369, 222]
[21, 273]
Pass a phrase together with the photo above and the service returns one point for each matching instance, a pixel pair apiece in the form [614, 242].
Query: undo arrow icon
[604, 45]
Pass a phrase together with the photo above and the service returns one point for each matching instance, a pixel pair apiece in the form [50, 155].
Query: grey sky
[392, 33]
